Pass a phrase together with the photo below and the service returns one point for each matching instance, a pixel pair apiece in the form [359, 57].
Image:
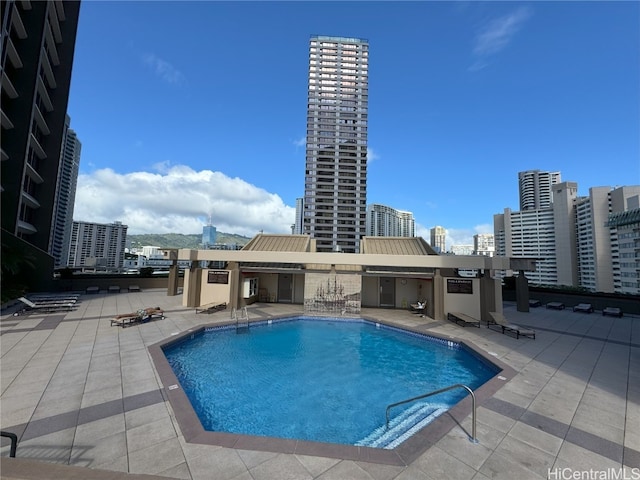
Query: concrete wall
[103, 282]
[468, 303]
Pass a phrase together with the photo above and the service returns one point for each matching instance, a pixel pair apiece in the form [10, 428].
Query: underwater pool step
[403, 426]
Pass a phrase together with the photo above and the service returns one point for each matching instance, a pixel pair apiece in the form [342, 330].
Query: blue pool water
[321, 380]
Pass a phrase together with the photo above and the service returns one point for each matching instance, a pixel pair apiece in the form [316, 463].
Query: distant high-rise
[585, 242]
[209, 235]
[536, 188]
[438, 239]
[484, 244]
[97, 245]
[65, 196]
[297, 226]
[384, 221]
[38, 41]
[336, 156]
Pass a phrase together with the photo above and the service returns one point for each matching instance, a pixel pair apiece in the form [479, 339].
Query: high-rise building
[97, 245]
[297, 226]
[484, 244]
[438, 239]
[577, 240]
[598, 242]
[625, 228]
[383, 221]
[536, 188]
[336, 156]
[462, 249]
[38, 41]
[209, 235]
[65, 196]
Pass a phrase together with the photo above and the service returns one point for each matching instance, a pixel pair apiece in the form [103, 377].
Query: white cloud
[464, 236]
[455, 236]
[371, 155]
[300, 142]
[179, 199]
[496, 35]
[164, 69]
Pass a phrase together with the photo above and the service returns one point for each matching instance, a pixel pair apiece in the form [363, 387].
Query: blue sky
[191, 109]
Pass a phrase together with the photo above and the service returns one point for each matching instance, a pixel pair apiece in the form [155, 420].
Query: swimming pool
[321, 380]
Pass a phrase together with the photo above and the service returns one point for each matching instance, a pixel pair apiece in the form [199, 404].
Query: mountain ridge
[181, 240]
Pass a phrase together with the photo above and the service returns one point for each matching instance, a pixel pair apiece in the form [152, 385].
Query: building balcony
[8, 87]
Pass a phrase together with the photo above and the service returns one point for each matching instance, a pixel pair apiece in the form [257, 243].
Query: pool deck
[86, 401]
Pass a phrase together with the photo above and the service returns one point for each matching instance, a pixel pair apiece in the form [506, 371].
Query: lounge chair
[211, 307]
[142, 315]
[612, 311]
[419, 307]
[556, 305]
[47, 306]
[464, 318]
[583, 307]
[504, 324]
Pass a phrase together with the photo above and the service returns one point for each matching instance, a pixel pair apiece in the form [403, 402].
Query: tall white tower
[536, 188]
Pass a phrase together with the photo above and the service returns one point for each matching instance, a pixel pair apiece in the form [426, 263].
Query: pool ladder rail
[472, 438]
[242, 320]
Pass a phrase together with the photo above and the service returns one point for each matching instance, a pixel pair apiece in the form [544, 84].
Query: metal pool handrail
[435, 392]
[14, 441]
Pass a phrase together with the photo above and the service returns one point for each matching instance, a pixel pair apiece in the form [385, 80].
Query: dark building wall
[24, 31]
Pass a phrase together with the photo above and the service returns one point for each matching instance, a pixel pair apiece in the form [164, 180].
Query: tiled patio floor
[80, 392]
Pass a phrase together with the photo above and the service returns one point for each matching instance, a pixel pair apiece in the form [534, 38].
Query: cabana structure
[390, 272]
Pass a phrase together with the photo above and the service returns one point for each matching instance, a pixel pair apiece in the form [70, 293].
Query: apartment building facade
[65, 196]
[577, 240]
[535, 188]
[97, 245]
[625, 227]
[38, 42]
[438, 239]
[384, 221]
[484, 244]
[336, 143]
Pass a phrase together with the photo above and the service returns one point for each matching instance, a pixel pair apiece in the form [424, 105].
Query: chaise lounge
[583, 307]
[143, 315]
[419, 307]
[501, 321]
[46, 306]
[464, 318]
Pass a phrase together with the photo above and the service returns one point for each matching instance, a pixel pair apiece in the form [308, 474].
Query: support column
[522, 292]
[438, 296]
[172, 288]
[195, 281]
[234, 283]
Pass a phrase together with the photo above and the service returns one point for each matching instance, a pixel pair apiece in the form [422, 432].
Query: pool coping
[403, 455]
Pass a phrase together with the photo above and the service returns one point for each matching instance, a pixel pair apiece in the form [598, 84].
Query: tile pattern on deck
[80, 392]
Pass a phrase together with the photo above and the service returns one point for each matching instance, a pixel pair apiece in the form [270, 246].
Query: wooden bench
[134, 288]
[114, 289]
[211, 307]
[93, 290]
[465, 319]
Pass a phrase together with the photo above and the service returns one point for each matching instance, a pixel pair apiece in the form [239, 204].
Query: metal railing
[241, 318]
[473, 438]
[14, 442]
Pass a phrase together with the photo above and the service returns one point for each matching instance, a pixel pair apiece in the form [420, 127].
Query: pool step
[403, 426]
